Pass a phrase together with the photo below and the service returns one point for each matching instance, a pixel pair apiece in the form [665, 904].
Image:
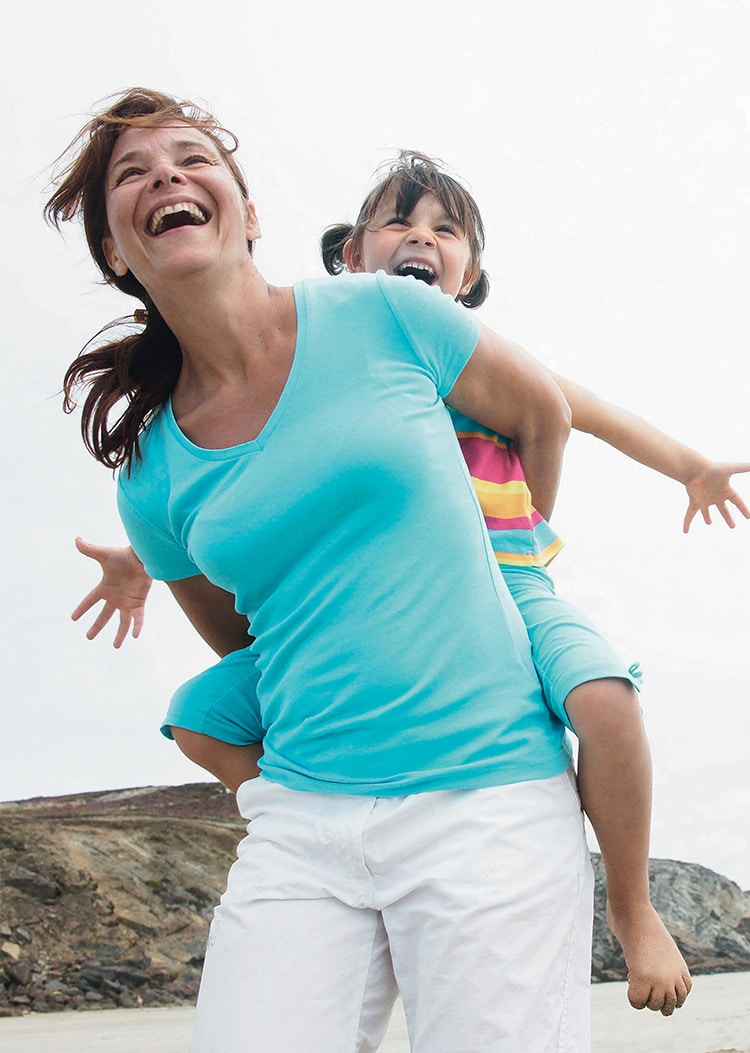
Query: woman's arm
[707, 482]
[508, 391]
[212, 614]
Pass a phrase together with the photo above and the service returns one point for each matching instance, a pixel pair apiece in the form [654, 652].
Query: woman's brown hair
[141, 367]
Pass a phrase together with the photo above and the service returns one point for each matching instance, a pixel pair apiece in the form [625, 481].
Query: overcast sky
[608, 147]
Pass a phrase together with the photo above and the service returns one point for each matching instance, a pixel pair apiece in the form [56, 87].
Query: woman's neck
[223, 325]
[237, 340]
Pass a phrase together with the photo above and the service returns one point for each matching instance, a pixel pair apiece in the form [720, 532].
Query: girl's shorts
[222, 701]
[567, 650]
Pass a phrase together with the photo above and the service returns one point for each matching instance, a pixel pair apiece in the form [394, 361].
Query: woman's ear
[351, 257]
[252, 224]
[115, 262]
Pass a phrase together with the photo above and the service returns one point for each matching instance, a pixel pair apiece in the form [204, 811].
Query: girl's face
[426, 244]
[173, 205]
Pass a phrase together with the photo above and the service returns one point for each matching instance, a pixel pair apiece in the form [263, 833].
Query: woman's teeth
[184, 213]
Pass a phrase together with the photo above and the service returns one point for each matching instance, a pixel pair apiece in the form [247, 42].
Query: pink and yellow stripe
[520, 536]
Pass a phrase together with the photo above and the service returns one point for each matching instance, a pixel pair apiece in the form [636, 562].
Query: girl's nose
[421, 236]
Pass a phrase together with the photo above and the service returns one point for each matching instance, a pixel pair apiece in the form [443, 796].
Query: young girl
[418, 222]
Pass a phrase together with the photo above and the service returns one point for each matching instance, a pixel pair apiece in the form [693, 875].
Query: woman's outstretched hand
[711, 486]
[123, 588]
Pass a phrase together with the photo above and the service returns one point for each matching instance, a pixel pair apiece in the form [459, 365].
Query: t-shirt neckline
[259, 443]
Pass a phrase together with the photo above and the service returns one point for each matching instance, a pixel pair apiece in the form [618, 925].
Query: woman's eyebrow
[126, 158]
[182, 144]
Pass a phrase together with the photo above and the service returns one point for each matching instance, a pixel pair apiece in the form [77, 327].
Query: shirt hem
[420, 784]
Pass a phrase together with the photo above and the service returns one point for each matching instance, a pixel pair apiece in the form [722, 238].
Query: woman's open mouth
[181, 214]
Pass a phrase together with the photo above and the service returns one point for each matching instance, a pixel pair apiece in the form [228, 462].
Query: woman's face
[173, 206]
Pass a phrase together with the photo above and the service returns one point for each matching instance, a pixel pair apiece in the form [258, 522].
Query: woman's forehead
[136, 142]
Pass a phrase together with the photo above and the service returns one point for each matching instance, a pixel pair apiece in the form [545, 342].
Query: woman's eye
[126, 174]
[196, 159]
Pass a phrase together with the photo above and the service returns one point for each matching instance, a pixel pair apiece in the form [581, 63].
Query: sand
[715, 1019]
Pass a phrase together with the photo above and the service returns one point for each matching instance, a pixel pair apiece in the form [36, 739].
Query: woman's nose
[164, 174]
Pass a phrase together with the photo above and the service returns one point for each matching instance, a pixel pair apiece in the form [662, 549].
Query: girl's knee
[195, 746]
[230, 764]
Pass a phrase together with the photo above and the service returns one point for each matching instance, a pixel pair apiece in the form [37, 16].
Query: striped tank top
[520, 536]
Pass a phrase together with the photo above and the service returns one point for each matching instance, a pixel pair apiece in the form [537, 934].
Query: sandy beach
[715, 1019]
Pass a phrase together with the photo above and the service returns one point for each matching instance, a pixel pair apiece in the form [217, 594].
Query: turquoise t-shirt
[392, 659]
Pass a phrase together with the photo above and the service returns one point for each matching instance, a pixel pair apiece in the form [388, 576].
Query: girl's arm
[508, 391]
[707, 482]
[211, 612]
[125, 586]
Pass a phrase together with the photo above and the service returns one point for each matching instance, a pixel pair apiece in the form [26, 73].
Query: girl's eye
[445, 229]
[395, 222]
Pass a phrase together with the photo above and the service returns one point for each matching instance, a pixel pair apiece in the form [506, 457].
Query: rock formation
[105, 900]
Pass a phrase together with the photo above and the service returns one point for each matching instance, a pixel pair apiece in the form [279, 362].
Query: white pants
[480, 899]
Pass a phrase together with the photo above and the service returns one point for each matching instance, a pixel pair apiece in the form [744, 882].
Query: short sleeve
[442, 334]
[162, 556]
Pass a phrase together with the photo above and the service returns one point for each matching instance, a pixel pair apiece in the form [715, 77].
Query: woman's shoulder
[151, 447]
[399, 294]
[340, 287]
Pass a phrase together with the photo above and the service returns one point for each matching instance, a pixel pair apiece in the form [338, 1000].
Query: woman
[289, 447]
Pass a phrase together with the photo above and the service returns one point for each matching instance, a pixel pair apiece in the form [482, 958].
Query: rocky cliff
[106, 899]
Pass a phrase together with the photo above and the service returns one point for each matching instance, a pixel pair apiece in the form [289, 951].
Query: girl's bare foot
[658, 977]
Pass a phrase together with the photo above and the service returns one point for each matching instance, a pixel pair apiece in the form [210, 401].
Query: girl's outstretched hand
[710, 486]
[124, 588]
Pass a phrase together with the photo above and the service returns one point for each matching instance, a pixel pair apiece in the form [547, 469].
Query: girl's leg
[614, 779]
[231, 765]
[588, 687]
[215, 719]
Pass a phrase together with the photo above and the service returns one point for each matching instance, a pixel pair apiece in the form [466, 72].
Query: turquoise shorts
[568, 651]
[222, 701]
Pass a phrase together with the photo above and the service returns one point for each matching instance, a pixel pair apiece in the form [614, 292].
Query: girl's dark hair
[408, 178]
[140, 368]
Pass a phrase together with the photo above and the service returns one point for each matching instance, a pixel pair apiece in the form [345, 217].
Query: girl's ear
[351, 257]
[469, 278]
[115, 262]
